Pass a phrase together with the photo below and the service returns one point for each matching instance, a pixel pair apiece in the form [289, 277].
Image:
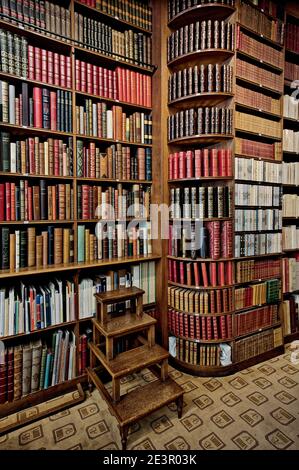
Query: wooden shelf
[202, 179]
[111, 141]
[33, 130]
[13, 78]
[260, 358]
[259, 62]
[285, 217]
[260, 37]
[201, 139]
[200, 12]
[259, 111]
[111, 180]
[292, 54]
[27, 175]
[39, 331]
[256, 307]
[202, 371]
[256, 281]
[185, 286]
[258, 86]
[259, 135]
[289, 250]
[36, 222]
[290, 185]
[203, 341]
[291, 337]
[263, 183]
[271, 160]
[198, 219]
[76, 266]
[203, 99]
[181, 258]
[203, 56]
[261, 10]
[110, 19]
[238, 232]
[290, 153]
[124, 104]
[296, 291]
[265, 255]
[202, 314]
[289, 120]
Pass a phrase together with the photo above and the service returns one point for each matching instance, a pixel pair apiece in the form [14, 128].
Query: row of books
[36, 156]
[203, 302]
[253, 148]
[23, 201]
[97, 202]
[132, 11]
[201, 202]
[257, 244]
[39, 107]
[257, 170]
[25, 308]
[292, 42]
[205, 274]
[258, 75]
[49, 67]
[290, 107]
[254, 19]
[257, 294]
[259, 50]
[96, 119]
[252, 220]
[291, 70]
[290, 140]
[200, 163]
[129, 46]
[36, 247]
[119, 84]
[290, 270]
[200, 328]
[200, 121]
[257, 195]
[140, 275]
[197, 354]
[112, 240]
[290, 315]
[260, 101]
[39, 14]
[200, 79]
[29, 367]
[290, 173]
[14, 54]
[116, 162]
[257, 344]
[252, 270]
[290, 205]
[257, 124]
[213, 240]
[249, 322]
[200, 36]
[290, 237]
[178, 6]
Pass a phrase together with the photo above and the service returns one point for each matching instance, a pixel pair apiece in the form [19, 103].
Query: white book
[109, 124]
[13, 157]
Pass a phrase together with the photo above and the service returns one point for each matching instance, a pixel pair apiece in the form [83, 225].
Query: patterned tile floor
[257, 408]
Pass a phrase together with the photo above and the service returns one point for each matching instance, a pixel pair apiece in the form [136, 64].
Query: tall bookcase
[110, 59]
[290, 177]
[224, 300]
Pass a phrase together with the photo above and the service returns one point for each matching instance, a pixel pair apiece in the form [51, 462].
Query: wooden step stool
[141, 402]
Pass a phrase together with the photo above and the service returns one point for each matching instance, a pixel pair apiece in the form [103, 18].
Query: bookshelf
[290, 188]
[108, 73]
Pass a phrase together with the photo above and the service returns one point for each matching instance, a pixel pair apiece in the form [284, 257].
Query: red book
[222, 162]
[189, 164]
[105, 83]
[2, 203]
[115, 92]
[31, 74]
[128, 78]
[110, 84]
[205, 275]
[221, 273]
[170, 273]
[215, 328]
[53, 110]
[118, 73]
[214, 162]
[189, 274]
[228, 155]
[7, 202]
[37, 107]
[212, 301]
[203, 328]
[197, 327]
[56, 157]
[101, 81]
[138, 90]
[44, 66]
[218, 301]
[206, 165]
[182, 165]
[229, 273]
[78, 75]
[95, 80]
[192, 328]
[50, 60]
[196, 274]
[12, 201]
[182, 273]
[62, 70]
[197, 164]
[31, 155]
[213, 272]
[170, 166]
[56, 69]
[83, 77]
[37, 64]
[174, 271]
[229, 326]
[68, 65]
[89, 78]
[29, 203]
[149, 91]
[175, 166]
[223, 327]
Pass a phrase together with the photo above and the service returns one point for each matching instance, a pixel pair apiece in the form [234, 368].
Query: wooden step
[124, 324]
[119, 295]
[130, 361]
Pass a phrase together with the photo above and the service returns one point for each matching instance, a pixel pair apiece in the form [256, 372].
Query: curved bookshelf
[199, 180]
[203, 341]
[201, 12]
[202, 99]
[202, 314]
[203, 371]
[199, 288]
[203, 56]
[202, 138]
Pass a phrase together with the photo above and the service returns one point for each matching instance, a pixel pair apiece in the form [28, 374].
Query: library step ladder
[136, 404]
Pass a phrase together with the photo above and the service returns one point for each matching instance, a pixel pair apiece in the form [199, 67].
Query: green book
[81, 243]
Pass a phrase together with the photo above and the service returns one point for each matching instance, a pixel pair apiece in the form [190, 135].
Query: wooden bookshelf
[75, 271]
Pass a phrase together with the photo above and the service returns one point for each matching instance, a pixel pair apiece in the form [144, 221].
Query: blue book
[48, 370]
